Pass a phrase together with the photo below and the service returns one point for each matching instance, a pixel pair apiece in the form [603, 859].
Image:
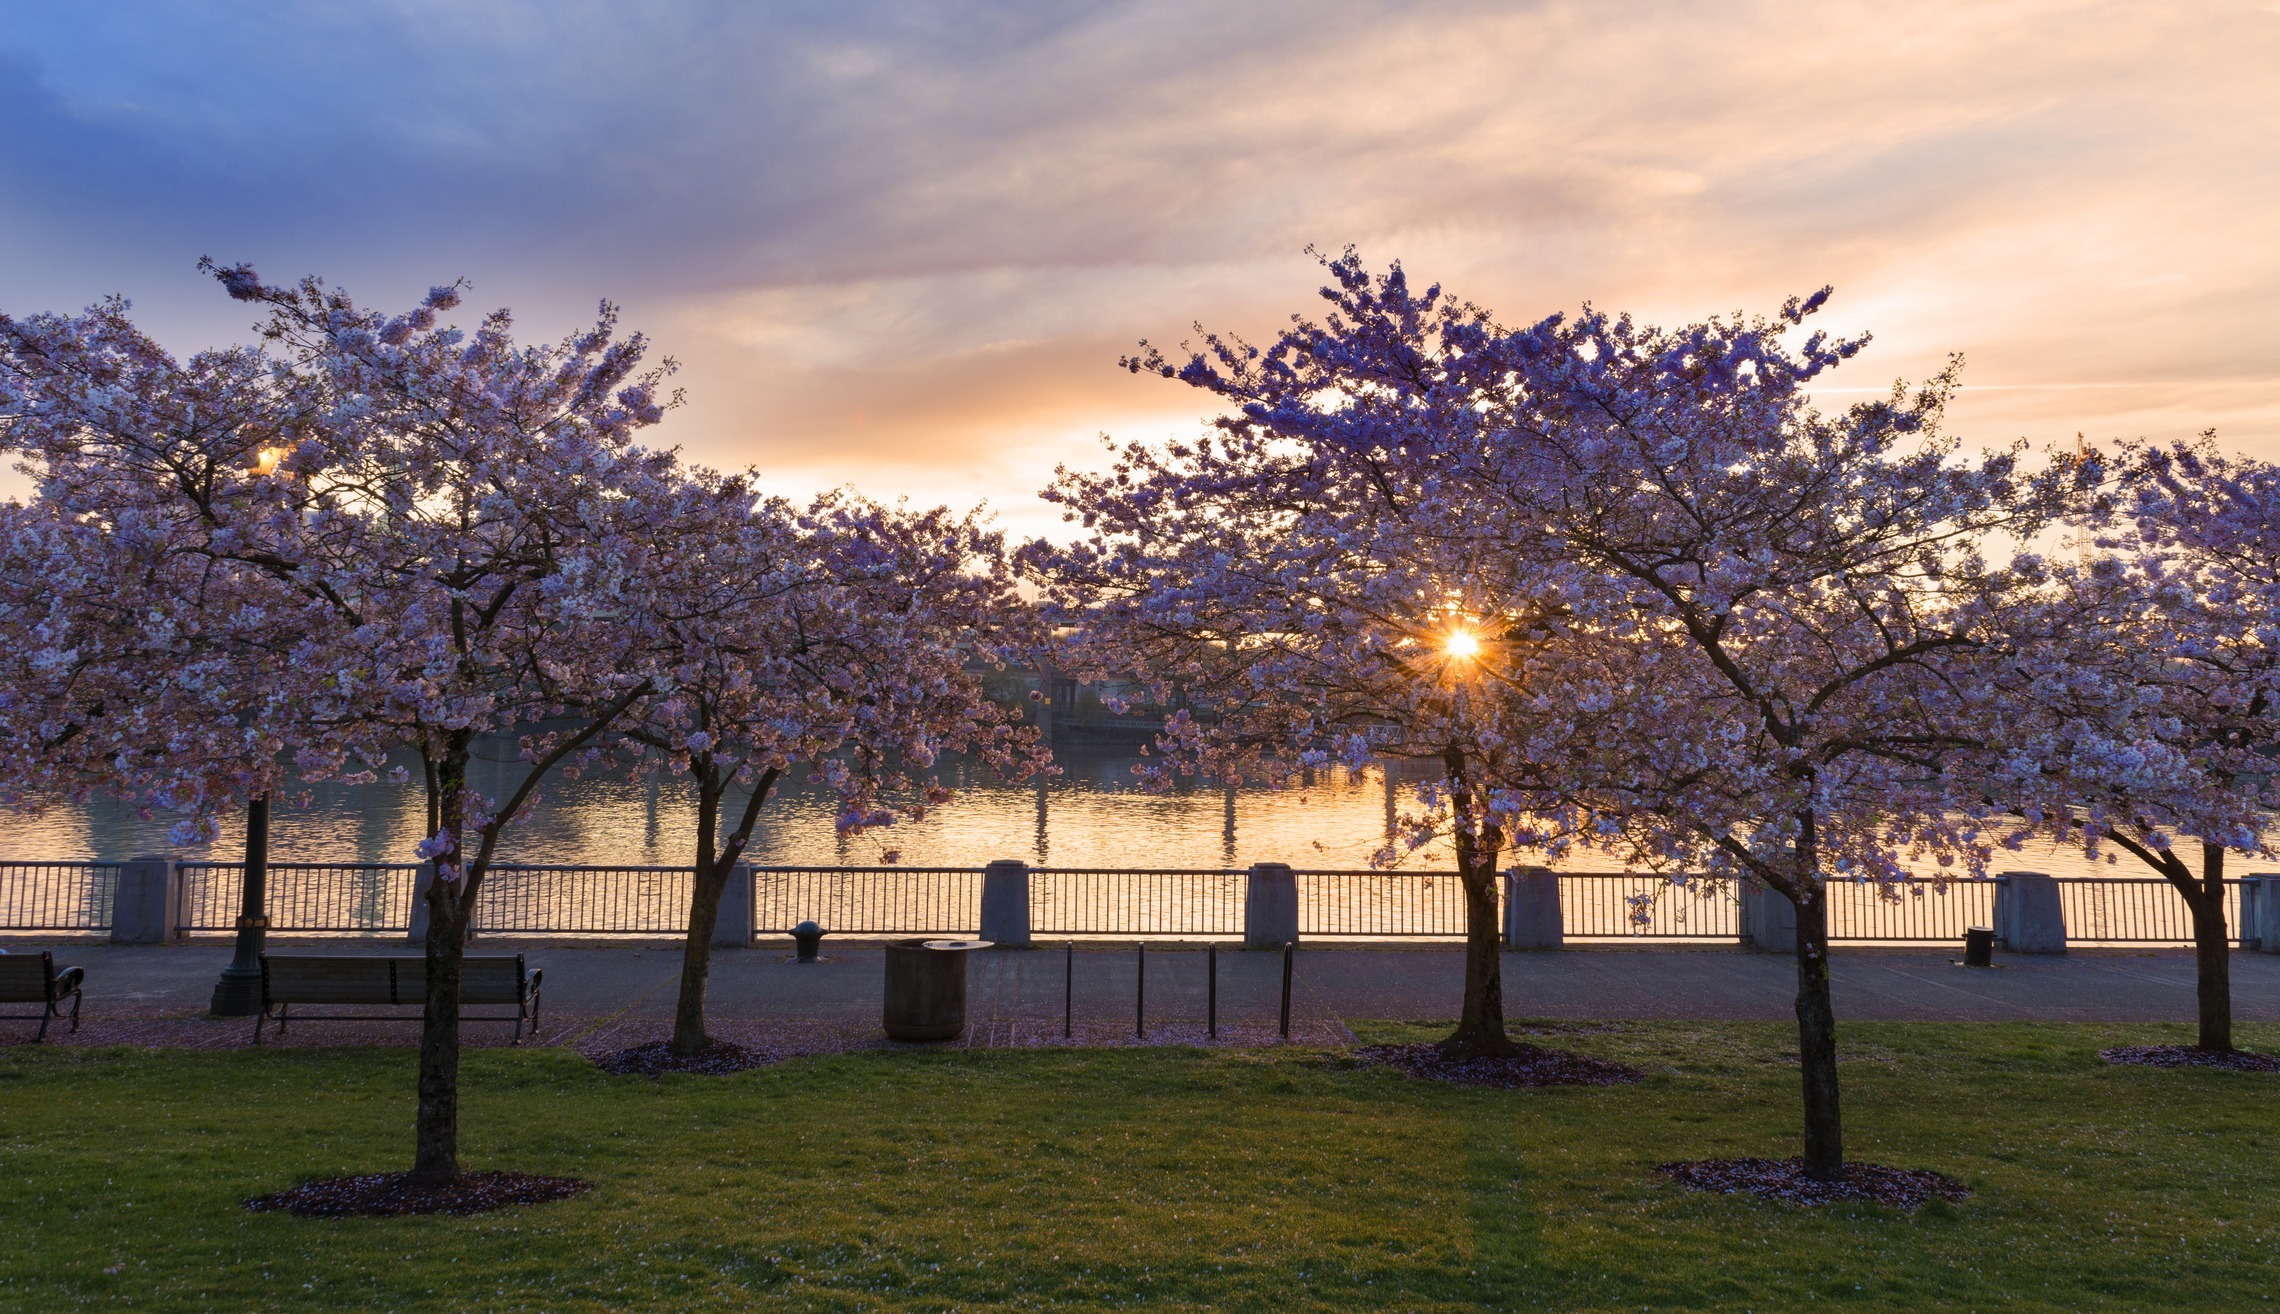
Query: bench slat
[23, 979]
[490, 980]
[364, 979]
[302, 979]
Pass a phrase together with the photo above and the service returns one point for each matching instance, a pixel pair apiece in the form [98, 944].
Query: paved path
[1010, 987]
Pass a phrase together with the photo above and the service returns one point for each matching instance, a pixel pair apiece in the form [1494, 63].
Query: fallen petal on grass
[2189, 1056]
[719, 1058]
[1529, 1066]
[391, 1195]
[1785, 1179]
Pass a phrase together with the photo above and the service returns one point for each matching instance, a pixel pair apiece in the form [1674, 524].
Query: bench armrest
[67, 980]
[537, 974]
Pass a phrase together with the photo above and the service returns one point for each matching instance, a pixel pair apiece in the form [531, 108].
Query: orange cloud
[903, 248]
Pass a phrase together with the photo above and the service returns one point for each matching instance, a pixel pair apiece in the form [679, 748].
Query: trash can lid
[959, 944]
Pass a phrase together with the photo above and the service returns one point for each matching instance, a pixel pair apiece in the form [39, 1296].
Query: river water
[1093, 815]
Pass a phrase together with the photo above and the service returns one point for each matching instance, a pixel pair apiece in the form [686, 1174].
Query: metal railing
[376, 898]
[1383, 905]
[530, 899]
[57, 896]
[1919, 912]
[2134, 910]
[1622, 905]
[320, 897]
[1080, 901]
[868, 900]
[2098, 910]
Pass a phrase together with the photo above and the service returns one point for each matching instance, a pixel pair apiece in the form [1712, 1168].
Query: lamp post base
[237, 994]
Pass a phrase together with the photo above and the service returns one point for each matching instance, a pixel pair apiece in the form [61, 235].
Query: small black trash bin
[926, 988]
[1979, 947]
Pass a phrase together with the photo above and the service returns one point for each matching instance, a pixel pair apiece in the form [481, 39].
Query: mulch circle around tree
[1527, 1066]
[719, 1058]
[2190, 1056]
[391, 1195]
[1785, 1179]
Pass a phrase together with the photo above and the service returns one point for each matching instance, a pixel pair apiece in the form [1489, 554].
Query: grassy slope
[1260, 1180]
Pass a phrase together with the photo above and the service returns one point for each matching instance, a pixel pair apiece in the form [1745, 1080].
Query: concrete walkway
[1329, 983]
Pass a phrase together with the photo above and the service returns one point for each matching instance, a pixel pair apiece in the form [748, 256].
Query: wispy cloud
[902, 245]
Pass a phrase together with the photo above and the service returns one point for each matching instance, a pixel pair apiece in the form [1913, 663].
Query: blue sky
[901, 246]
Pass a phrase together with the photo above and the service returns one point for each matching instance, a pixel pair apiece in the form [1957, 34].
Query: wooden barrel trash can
[926, 988]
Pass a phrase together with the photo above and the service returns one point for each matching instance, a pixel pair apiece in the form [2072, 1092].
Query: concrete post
[1270, 906]
[1005, 903]
[1532, 909]
[2260, 912]
[1769, 920]
[733, 928]
[2028, 916]
[144, 905]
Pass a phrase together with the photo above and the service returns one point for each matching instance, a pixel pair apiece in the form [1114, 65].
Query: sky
[901, 246]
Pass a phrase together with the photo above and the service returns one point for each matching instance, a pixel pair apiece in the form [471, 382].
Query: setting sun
[1461, 644]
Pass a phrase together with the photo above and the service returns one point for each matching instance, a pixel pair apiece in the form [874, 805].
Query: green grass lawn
[1279, 1180]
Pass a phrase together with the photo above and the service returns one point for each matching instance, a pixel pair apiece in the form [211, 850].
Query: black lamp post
[238, 993]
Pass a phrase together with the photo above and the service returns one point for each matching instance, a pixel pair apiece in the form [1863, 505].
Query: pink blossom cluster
[378, 531]
[1632, 592]
[1637, 595]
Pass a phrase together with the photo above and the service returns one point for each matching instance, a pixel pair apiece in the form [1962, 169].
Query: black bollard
[1069, 992]
[1286, 991]
[1140, 997]
[1211, 990]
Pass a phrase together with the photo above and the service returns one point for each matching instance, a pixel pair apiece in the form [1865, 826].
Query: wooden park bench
[25, 979]
[323, 979]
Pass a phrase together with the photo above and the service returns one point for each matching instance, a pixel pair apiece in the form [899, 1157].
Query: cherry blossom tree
[2144, 719]
[1810, 629]
[472, 512]
[840, 638]
[79, 634]
[1732, 636]
[142, 657]
[1308, 577]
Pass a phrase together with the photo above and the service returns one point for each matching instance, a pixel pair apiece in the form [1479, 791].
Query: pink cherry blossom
[843, 636]
[1624, 585]
[374, 531]
[2140, 698]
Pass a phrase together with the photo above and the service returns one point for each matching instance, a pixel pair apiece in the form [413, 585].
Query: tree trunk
[696, 956]
[435, 1154]
[710, 878]
[1480, 1023]
[2211, 951]
[716, 864]
[1817, 1035]
[2205, 900]
[1480, 1026]
[435, 1157]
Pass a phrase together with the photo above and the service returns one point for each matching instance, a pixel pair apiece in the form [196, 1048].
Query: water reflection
[1094, 815]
